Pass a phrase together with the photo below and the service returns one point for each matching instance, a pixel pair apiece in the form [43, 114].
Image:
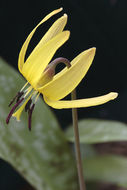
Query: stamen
[24, 86]
[19, 96]
[28, 90]
[37, 97]
[18, 113]
[12, 101]
[34, 94]
[13, 109]
[30, 111]
[27, 107]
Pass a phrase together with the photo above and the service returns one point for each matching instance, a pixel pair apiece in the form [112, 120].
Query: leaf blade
[98, 131]
[108, 168]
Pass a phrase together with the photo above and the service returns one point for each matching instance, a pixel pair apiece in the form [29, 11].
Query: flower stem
[53, 65]
[77, 144]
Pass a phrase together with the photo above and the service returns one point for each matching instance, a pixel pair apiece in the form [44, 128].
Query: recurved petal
[37, 62]
[26, 43]
[81, 102]
[64, 82]
[56, 28]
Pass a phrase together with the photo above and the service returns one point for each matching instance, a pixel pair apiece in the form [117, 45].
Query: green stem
[77, 144]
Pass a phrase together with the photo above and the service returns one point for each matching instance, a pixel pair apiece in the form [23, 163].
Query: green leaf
[41, 156]
[87, 150]
[99, 131]
[112, 169]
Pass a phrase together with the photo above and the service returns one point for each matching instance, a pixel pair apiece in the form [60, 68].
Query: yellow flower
[40, 76]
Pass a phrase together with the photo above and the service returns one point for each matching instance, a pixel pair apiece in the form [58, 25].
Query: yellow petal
[17, 114]
[64, 82]
[37, 62]
[26, 43]
[81, 102]
[55, 29]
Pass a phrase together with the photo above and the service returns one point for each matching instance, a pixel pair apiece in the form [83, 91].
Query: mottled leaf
[98, 131]
[41, 156]
[110, 168]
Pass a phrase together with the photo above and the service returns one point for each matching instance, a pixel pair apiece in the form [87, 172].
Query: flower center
[28, 96]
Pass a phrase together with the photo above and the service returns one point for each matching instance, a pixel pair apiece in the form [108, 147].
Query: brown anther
[30, 111]
[17, 97]
[27, 107]
[13, 109]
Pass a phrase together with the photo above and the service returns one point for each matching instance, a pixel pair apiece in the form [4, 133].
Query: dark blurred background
[100, 24]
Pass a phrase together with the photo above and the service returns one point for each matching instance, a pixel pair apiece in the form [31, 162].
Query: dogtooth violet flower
[40, 73]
